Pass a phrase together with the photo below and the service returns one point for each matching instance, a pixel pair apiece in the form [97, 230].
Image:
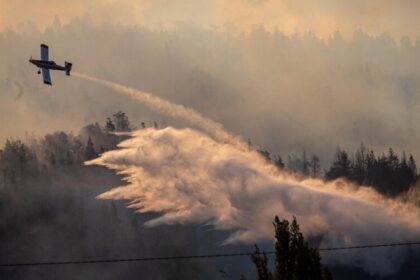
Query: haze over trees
[284, 91]
[48, 209]
[390, 174]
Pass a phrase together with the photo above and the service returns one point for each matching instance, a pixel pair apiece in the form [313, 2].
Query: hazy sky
[284, 92]
[395, 17]
[290, 75]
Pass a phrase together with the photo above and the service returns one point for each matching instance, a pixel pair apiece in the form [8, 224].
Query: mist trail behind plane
[189, 177]
[174, 110]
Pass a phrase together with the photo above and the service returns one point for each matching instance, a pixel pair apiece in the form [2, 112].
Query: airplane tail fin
[68, 66]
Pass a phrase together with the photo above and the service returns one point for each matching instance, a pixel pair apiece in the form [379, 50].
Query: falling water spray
[189, 177]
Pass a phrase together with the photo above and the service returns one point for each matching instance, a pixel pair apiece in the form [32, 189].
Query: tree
[279, 162]
[359, 165]
[249, 143]
[101, 137]
[265, 154]
[109, 126]
[2, 169]
[393, 160]
[90, 152]
[261, 261]
[122, 124]
[295, 260]
[17, 160]
[388, 174]
[305, 164]
[282, 246]
[315, 167]
[61, 148]
[413, 167]
[340, 167]
[404, 174]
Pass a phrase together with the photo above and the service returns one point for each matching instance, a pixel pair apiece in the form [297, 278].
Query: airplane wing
[46, 76]
[44, 52]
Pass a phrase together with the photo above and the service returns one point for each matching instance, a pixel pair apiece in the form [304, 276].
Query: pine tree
[341, 166]
[90, 152]
[121, 122]
[109, 126]
[305, 164]
[265, 154]
[282, 246]
[359, 165]
[278, 162]
[261, 261]
[413, 167]
[295, 260]
[315, 166]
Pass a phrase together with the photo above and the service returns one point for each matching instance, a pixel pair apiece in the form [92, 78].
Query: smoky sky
[284, 92]
[396, 18]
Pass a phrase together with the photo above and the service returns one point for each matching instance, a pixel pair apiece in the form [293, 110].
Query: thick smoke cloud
[188, 177]
[397, 18]
[285, 93]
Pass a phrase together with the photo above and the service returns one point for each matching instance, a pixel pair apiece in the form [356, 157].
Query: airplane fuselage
[47, 64]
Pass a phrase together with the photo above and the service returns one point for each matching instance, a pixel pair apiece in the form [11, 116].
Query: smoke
[259, 86]
[397, 17]
[189, 177]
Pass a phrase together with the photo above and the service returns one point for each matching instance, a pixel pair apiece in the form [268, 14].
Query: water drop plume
[190, 177]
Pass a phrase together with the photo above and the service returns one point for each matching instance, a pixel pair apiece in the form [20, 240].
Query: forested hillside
[50, 211]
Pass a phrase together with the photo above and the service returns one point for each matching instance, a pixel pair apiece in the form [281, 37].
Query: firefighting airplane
[46, 65]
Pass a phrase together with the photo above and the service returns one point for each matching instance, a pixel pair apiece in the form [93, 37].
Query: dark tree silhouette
[17, 161]
[315, 166]
[295, 260]
[122, 124]
[261, 262]
[109, 126]
[340, 167]
[279, 162]
[62, 148]
[90, 152]
[305, 164]
[413, 167]
[388, 174]
[265, 154]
